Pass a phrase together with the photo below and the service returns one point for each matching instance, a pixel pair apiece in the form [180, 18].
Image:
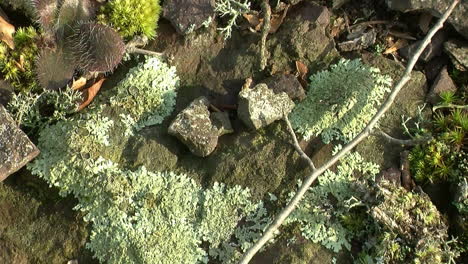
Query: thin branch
[404, 142]
[266, 9]
[449, 106]
[144, 52]
[347, 148]
[297, 146]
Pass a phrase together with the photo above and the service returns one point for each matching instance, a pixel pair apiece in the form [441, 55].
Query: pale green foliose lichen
[340, 101]
[147, 92]
[322, 212]
[139, 216]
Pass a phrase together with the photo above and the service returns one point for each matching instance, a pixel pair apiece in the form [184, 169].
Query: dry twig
[266, 9]
[268, 234]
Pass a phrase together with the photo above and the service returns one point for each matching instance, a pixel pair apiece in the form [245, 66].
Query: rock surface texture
[458, 52]
[287, 83]
[188, 15]
[16, 150]
[198, 129]
[443, 83]
[260, 106]
[458, 19]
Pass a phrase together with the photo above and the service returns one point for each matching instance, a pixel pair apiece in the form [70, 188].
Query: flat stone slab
[16, 150]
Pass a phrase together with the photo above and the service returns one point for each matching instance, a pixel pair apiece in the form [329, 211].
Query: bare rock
[358, 40]
[392, 175]
[16, 150]
[443, 83]
[432, 50]
[287, 83]
[198, 129]
[260, 106]
[188, 15]
[6, 91]
[434, 66]
[458, 18]
[458, 52]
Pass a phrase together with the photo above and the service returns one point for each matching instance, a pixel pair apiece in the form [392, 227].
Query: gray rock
[260, 106]
[458, 52]
[16, 150]
[188, 15]
[458, 18]
[287, 83]
[434, 66]
[197, 129]
[432, 50]
[443, 83]
[6, 91]
[359, 40]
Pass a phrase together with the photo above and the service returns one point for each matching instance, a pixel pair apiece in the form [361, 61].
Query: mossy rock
[412, 96]
[33, 231]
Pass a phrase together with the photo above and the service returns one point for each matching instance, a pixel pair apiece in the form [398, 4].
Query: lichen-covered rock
[340, 101]
[287, 83]
[195, 127]
[458, 52]
[260, 106]
[16, 150]
[436, 7]
[188, 15]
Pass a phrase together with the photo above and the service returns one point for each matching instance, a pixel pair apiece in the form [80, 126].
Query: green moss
[39, 236]
[17, 66]
[340, 102]
[131, 17]
[413, 231]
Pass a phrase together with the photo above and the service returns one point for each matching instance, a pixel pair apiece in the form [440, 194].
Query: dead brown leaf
[6, 31]
[253, 19]
[337, 27]
[396, 46]
[302, 73]
[90, 93]
[276, 20]
[78, 84]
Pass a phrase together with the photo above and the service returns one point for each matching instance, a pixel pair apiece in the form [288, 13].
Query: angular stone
[434, 66]
[358, 40]
[287, 83]
[198, 129]
[458, 18]
[188, 15]
[16, 150]
[443, 83]
[432, 50]
[260, 106]
[458, 52]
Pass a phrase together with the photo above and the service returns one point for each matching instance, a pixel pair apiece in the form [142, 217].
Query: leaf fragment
[6, 31]
[90, 93]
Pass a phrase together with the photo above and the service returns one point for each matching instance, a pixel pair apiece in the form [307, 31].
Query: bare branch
[296, 144]
[449, 106]
[266, 9]
[404, 142]
[347, 148]
[144, 52]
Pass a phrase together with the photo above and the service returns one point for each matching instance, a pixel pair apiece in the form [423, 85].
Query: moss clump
[17, 66]
[413, 230]
[131, 17]
[340, 102]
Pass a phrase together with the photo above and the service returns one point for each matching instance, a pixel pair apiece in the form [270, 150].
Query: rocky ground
[38, 226]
